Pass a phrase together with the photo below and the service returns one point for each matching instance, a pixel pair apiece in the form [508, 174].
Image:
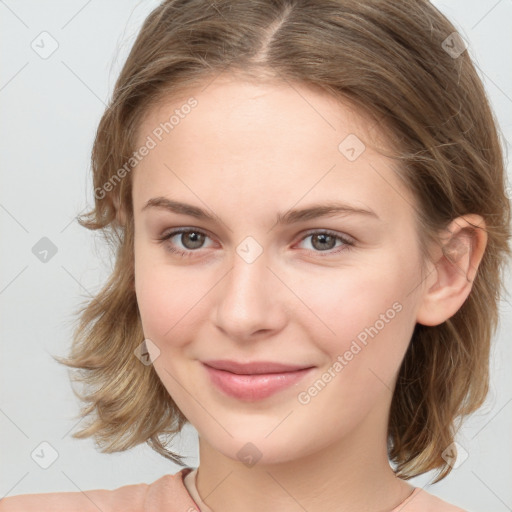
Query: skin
[245, 153]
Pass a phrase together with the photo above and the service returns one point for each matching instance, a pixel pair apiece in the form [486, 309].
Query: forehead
[264, 140]
[258, 108]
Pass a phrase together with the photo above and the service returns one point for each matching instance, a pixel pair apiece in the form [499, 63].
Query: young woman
[308, 205]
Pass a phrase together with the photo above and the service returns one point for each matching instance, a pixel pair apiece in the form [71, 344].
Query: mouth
[255, 380]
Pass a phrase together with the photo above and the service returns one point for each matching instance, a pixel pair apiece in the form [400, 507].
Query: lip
[254, 367]
[255, 380]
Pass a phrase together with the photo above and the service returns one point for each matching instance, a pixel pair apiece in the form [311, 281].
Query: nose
[250, 300]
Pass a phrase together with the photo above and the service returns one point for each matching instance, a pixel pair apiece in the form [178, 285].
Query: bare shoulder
[129, 498]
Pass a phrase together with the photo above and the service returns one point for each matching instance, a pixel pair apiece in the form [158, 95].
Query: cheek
[156, 303]
[364, 315]
[169, 300]
[372, 322]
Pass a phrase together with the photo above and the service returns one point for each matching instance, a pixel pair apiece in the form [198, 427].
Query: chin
[258, 451]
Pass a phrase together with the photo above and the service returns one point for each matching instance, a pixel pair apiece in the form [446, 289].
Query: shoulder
[129, 498]
[422, 501]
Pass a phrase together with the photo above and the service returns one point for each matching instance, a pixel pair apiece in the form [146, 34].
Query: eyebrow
[290, 217]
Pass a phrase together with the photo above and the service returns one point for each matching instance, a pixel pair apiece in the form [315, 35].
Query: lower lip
[254, 387]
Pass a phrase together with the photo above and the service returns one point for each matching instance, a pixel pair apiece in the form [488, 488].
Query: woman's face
[250, 170]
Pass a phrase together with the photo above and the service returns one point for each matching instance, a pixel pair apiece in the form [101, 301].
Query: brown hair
[387, 58]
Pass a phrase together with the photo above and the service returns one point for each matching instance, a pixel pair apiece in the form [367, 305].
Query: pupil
[323, 238]
[197, 240]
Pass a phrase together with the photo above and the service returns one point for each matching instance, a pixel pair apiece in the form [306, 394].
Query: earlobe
[458, 258]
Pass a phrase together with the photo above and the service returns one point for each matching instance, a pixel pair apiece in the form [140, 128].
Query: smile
[254, 386]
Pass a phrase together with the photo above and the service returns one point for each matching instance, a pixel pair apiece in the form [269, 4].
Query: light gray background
[50, 110]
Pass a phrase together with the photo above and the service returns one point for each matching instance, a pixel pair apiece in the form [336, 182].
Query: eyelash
[348, 244]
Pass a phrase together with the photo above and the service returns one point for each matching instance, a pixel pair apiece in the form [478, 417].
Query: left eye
[324, 241]
[193, 239]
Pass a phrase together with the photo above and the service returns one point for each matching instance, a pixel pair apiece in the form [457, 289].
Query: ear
[120, 214]
[457, 260]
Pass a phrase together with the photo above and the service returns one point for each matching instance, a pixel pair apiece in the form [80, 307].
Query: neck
[352, 475]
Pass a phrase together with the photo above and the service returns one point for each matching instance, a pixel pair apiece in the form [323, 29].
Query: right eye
[191, 239]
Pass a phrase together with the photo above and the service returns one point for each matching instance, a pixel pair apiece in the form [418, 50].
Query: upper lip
[254, 367]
